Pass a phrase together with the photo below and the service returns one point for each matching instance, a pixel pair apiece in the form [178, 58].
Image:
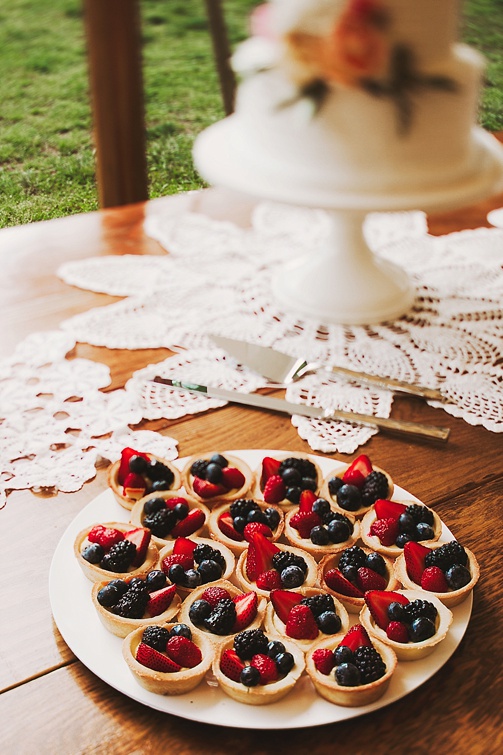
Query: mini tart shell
[325, 492]
[137, 513]
[350, 697]
[231, 495]
[353, 605]
[128, 503]
[233, 591]
[274, 625]
[262, 694]
[285, 504]
[246, 585]
[449, 599]
[411, 651]
[95, 573]
[121, 626]
[238, 546]
[161, 683]
[228, 555]
[393, 551]
[319, 551]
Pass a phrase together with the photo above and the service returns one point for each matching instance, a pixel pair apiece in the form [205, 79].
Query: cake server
[282, 368]
[259, 401]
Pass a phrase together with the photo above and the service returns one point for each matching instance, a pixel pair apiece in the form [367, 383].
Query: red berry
[433, 579]
[301, 624]
[274, 489]
[397, 631]
[269, 580]
[323, 659]
[386, 530]
[266, 667]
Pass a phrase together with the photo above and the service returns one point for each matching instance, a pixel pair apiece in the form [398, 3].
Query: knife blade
[259, 401]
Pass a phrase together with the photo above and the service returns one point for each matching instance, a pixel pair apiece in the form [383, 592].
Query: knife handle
[393, 425]
[389, 383]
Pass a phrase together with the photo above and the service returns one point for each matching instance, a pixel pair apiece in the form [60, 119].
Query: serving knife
[282, 368]
[259, 401]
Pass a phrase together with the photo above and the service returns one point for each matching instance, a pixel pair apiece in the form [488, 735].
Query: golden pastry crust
[393, 551]
[274, 625]
[246, 585]
[351, 697]
[238, 546]
[230, 495]
[262, 694]
[285, 504]
[319, 551]
[449, 599]
[121, 626]
[96, 573]
[138, 515]
[352, 604]
[128, 502]
[160, 683]
[339, 472]
[233, 591]
[411, 651]
[228, 555]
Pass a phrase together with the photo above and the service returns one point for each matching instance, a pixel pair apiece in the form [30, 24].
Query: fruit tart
[349, 574]
[190, 562]
[409, 621]
[390, 524]
[124, 605]
[222, 609]
[351, 669]
[168, 659]
[232, 523]
[282, 479]
[357, 487]
[306, 616]
[266, 566]
[136, 474]
[115, 549]
[447, 571]
[316, 528]
[169, 515]
[258, 669]
[213, 478]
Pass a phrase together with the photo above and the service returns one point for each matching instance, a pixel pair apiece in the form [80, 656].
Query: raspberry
[269, 580]
[433, 579]
[397, 631]
[324, 660]
[266, 667]
[386, 530]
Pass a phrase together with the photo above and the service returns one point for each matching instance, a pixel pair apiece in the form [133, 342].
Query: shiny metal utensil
[257, 400]
[282, 368]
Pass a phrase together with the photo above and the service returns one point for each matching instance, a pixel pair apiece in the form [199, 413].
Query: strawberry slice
[206, 489]
[259, 555]
[269, 580]
[185, 546]
[252, 527]
[183, 651]
[304, 521]
[368, 579]
[414, 555]
[355, 638]
[357, 471]
[232, 478]
[192, 522]
[270, 467]
[301, 624]
[231, 664]
[306, 500]
[177, 558]
[283, 602]
[433, 579]
[385, 509]
[386, 530]
[140, 536]
[246, 610]
[337, 582]
[126, 455]
[266, 666]
[160, 600]
[323, 659]
[155, 660]
[226, 526]
[134, 486]
[378, 601]
[274, 489]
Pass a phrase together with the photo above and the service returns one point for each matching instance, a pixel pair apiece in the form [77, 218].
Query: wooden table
[52, 704]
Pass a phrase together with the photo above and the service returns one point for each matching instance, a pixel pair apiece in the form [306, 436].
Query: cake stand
[341, 281]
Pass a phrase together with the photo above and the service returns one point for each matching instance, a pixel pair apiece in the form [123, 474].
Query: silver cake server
[282, 368]
[259, 401]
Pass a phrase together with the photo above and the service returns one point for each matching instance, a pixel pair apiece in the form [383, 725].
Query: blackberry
[222, 618]
[242, 507]
[161, 522]
[250, 642]
[283, 559]
[304, 466]
[153, 504]
[447, 555]
[157, 471]
[420, 608]
[420, 513]
[369, 663]
[120, 556]
[204, 552]
[156, 637]
[132, 605]
[198, 468]
[374, 487]
[319, 603]
[353, 556]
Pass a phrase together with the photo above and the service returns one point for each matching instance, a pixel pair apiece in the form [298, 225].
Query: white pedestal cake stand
[342, 281]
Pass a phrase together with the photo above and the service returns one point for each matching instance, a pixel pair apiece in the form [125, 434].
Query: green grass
[46, 152]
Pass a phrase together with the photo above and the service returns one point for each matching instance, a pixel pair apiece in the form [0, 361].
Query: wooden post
[222, 53]
[113, 30]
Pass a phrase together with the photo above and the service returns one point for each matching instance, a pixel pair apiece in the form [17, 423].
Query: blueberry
[250, 676]
[181, 630]
[152, 505]
[293, 494]
[403, 538]
[396, 612]
[239, 523]
[138, 465]
[220, 460]
[256, 515]
[291, 476]
[155, 580]
[377, 563]
[272, 516]
[457, 576]
[424, 531]
[329, 622]
[176, 574]
[347, 675]
[199, 611]
[108, 596]
[406, 523]
[308, 483]
[161, 484]
[209, 571]
[338, 531]
[192, 578]
[120, 585]
[284, 662]
[291, 577]
[319, 535]
[349, 498]
[334, 484]
[343, 654]
[274, 648]
[93, 553]
[350, 572]
[321, 506]
[421, 629]
[214, 473]
[181, 510]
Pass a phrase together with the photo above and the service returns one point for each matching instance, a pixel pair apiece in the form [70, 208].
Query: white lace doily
[57, 423]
